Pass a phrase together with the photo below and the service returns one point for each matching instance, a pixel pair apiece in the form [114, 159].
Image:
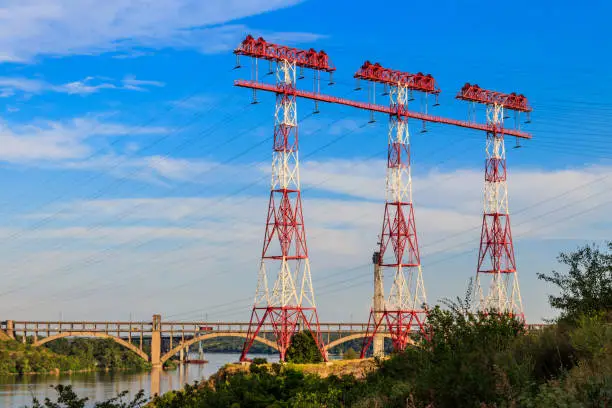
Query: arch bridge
[166, 339]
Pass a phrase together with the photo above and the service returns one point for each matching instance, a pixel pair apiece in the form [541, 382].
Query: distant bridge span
[118, 340]
[197, 339]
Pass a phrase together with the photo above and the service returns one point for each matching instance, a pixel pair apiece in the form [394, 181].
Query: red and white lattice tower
[496, 287]
[290, 305]
[404, 310]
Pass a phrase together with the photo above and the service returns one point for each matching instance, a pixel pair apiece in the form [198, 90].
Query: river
[17, 391]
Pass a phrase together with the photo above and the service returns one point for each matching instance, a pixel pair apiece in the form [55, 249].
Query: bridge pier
[10, 329]
[378, 345]
[156, 342]
[182, 356]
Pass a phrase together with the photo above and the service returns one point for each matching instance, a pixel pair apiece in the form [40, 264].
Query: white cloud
[11, 86]
[29, 28]
[53, 141]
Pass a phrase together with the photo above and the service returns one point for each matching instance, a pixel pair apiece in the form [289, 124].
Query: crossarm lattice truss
[512, 101]
[259, 48]
[377, 73]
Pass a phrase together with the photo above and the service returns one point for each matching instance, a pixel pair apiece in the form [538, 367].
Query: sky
[135, 176]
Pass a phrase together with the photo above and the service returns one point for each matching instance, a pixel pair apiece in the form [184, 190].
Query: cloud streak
[59, 140]
[89, 85]
[31, 28]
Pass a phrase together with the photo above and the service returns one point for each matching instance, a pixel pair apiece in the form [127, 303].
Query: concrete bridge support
[378, 304]
[156, 342]
[10, 329]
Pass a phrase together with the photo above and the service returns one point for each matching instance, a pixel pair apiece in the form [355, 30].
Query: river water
[17, 392]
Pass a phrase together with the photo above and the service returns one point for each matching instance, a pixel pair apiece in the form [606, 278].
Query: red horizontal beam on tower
[379, 108]
[474, 93]
[259, 48]
[377, 73]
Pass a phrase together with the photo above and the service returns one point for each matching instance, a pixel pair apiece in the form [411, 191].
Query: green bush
[303, 349]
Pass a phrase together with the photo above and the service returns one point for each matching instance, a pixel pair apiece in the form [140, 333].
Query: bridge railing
[178, 329]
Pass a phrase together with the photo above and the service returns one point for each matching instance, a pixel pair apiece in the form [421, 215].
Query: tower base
[284, 323]
[397, 324]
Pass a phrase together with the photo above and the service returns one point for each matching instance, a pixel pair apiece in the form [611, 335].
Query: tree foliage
[67, 398]
[471, 360]
[303, 349]
[586, 287]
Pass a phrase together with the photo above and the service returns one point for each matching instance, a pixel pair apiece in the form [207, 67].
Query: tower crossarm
[316, 96]
[260, 48]
[511, 101]
[377, 73]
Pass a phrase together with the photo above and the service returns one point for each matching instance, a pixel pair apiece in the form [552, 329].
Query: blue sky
[135, 176]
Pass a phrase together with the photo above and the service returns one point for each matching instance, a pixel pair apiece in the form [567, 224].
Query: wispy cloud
[66, 27]
[58, 141]
[89, 85]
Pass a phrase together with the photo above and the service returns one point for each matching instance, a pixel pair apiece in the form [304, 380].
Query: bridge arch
[194, 340]
[118, 340]
[355, 336]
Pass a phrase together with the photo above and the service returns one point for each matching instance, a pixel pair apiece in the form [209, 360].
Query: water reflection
[99, 386]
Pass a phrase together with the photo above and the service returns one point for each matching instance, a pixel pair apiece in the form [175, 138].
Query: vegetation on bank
[470, 360]
[64, 355]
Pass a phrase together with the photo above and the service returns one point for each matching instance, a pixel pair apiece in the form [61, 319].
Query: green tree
[350, 354]
[586, 288]
[303, 349]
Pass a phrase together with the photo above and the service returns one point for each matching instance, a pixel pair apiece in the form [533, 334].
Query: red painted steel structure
[377, 73]
[512, 101]
[496, 261]
[260, 48]
[291, 301]
[316, 96]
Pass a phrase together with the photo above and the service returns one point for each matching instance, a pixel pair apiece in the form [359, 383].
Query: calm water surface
[17, 392]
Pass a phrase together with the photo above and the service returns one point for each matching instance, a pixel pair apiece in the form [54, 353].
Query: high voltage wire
[359, 266]
[311, 153]
[353, 278]
[122, 244]
[148, 122]
[320, 148]
[14, 237]
[131, 210]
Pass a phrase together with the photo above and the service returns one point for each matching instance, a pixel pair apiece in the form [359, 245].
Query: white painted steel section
[408, 289]
[286, 176]
[497, 296]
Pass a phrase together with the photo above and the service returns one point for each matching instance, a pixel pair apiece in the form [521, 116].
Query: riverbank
[67, 356]
[98, 386]
[339, 368]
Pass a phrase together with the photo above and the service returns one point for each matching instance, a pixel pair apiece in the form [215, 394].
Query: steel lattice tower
[496, 285]
[496, 288]
[290, 305]
[404, 310]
